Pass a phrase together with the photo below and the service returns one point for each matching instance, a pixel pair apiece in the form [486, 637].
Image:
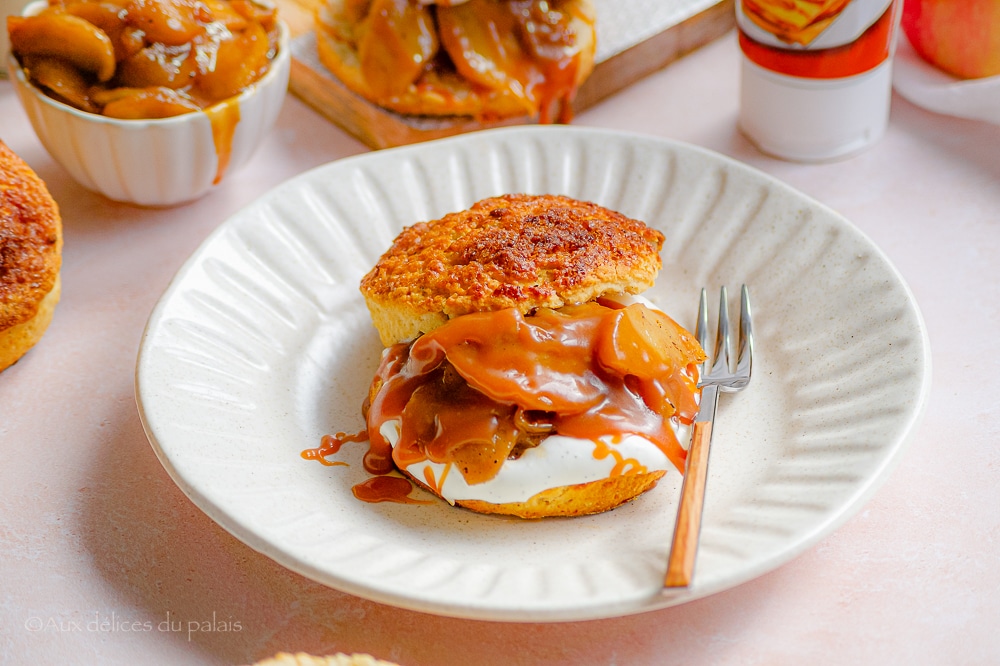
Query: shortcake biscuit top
[516, 250]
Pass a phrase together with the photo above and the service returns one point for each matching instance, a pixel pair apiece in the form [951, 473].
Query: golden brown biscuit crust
[30, 257]
[517, 250]
[582, 499]
[18, 339]
[30, 240]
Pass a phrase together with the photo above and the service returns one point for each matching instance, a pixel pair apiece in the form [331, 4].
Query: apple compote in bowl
[150, 102]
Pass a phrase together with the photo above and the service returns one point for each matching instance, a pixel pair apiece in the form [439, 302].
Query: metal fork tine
[701, 327]
[745, 360]
[723, 338]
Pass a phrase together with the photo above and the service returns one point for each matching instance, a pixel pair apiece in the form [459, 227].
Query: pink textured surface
[104, 560]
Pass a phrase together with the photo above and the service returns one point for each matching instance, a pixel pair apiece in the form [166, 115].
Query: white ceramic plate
[262, 344]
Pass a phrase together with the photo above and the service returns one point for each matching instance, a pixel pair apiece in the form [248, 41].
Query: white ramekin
[161, 162]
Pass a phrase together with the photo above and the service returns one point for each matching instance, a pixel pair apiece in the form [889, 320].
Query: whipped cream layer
[557, 461]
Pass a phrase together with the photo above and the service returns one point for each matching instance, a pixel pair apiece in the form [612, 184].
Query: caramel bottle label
[817, 38]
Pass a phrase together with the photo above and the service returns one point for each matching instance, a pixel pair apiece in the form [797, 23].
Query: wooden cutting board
[634, 39]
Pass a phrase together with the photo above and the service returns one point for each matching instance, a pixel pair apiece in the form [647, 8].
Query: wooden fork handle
[680, 565]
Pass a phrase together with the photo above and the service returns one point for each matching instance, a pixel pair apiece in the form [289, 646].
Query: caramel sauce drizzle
[623, 466]
[433, 483]
[386, 489]
[224, 118]
[330, 445]
[373, 490]
[553, 43]
[591, 370]
[478, 390]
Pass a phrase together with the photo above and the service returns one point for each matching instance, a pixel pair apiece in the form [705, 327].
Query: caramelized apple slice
[238, 63]
[62, 80]
[534, 362]
[131, 41]
[157, 65]
[557, 31]
[226, 13]
[356, 10]
[395, 41]
[107, 16]
[539, 50]
[105, 96]
[251, 11]
[171, 22]
[646, 344]
[60, 35]
[452, 422]
[134, 104]
[481, 36]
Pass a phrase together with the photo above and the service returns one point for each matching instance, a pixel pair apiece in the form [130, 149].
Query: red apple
[961, 37]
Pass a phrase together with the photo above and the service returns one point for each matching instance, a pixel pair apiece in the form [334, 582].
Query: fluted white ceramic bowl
[160, 162]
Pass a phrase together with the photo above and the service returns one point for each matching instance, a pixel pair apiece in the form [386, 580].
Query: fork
[722, 376]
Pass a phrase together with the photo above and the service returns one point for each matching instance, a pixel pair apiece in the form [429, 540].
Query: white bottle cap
[814, 120]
